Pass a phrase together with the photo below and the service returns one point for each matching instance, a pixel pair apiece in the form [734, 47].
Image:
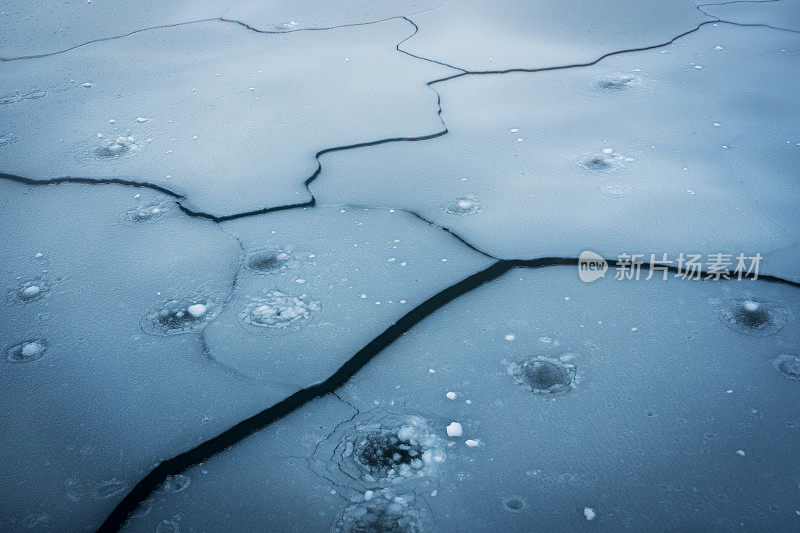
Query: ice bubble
[278, 310]
[177, 483]
[468, 205]
[146, 212]
[752, 317]
[167, 526]
[27, 351]
[789, 366]
[178, 316]
[34, 289]
[384, 511]
[618, 82]
[268, 260]
[515, 504]
[108, 489]
[454, 429]
[543, 375]
[115, 148]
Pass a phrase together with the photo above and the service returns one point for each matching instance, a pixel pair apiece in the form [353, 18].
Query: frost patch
[270, 260]
[27, 351]
[752, 317]
[382, 510]
[278, 310]
[468, 205]
[618, 82]
[543, 375]
[146, 212]
[615, 190]
[31, 290]
[116, 148]
[7, 139]
[789, 366]
[179, 316]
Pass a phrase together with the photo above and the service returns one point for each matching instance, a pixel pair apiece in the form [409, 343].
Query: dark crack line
[703, 11]
[247, 427]
[92, 181]
[102, 39]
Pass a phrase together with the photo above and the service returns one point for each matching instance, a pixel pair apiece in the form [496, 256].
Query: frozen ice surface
[89, 400]
[777, 13]
[479, 35]
[226, 147]
[354, 271]
[639, 169]
[48, 26]
[683, 386]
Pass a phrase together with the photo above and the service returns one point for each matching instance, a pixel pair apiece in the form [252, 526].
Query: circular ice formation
[380, 450]
[543, 375]
[789, 366]
[27, 351]
[177, 483]
[146, 212]
[515, 504]
[279, 310]
[269, 260]
[468, 205]
[615, 190]
[752, 317]
[384, 510]
[34, 289]
[618, 82]
[179, 316]
[117, 147]
[167, 526]
[108, 489]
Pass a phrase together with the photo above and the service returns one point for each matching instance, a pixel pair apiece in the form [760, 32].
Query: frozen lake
[419, 265]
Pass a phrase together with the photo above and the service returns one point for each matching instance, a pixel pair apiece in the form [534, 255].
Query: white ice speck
[698, 67]
[32, 349]
[589, 513]
[451, 395]
[740, 452]
[510, 337]
[31, 291]
[87, 84]
[454, 430]
[750, 305]
[142, 120]
[718, 47]
[368, 495]
[197, 310]
[471, 443]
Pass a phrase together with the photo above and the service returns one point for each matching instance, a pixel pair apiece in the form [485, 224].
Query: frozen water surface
[682, 159]
[311, 266]
[234, 117]
[683, 386]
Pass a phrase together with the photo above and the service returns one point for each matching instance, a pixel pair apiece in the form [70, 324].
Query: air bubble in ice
[467, 205]
[278, 310]
[515, 504]
[179, 316]
[167, 526]
[118, 147]
[146, 212]
[543, 375]
[618, 82]
[34, 289]
[752, 317]
[267, 260]
[108, 489]
[789, 366]
[384, 511]
[177, 483]
[27, 351]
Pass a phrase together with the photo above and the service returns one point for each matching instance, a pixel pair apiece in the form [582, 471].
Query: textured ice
[545, 375]
[679, 182]
[523, 34]
[27, 351]
[789, 365]
[353, 271]
[777, 13]
[208, 136]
